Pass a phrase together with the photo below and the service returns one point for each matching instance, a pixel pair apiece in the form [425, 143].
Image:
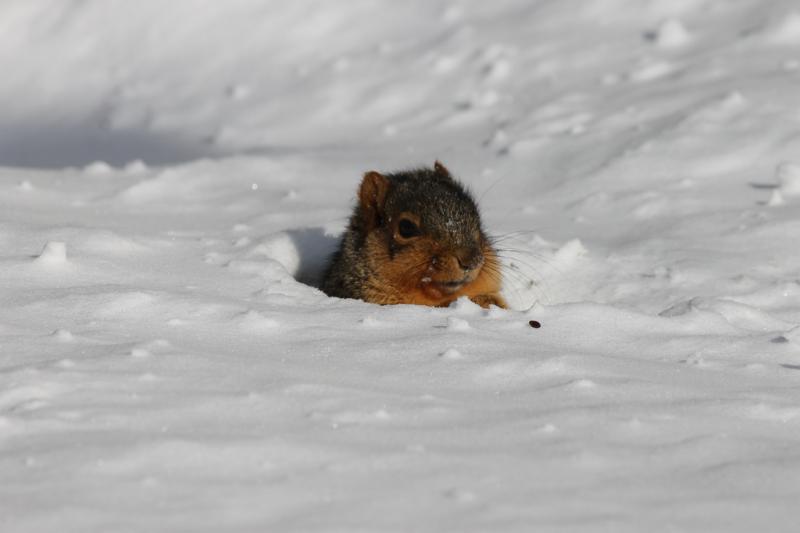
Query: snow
[173, 177]
[788, 177]
[671, 34]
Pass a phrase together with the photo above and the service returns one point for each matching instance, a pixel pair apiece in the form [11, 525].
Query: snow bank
[174, 176]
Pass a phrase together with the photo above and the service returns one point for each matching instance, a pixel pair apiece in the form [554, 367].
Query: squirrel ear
[372, 197]
[441, 169]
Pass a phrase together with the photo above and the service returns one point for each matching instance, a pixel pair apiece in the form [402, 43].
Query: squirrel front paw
[485, 300]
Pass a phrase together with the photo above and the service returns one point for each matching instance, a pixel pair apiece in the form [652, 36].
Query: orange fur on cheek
[398, 279]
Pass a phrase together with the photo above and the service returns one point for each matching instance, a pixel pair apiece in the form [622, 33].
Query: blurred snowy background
[169, 170]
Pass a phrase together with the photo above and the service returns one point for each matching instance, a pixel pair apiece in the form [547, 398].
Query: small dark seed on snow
[535, 324]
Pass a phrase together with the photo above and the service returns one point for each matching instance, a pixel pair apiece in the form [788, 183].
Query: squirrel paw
[485, 300]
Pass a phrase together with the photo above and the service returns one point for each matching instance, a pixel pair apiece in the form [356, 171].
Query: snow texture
[174, 175]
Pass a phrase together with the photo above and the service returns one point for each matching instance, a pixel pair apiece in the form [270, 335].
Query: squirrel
[415, 237]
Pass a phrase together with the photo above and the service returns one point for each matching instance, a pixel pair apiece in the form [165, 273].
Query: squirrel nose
[470, 261]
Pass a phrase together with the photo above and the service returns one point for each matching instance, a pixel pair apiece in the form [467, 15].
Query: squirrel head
[423, 230]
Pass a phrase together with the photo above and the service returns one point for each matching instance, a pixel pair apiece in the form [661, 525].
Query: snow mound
[788, 178]
[53, 255]
[786, 31]
[671, 34]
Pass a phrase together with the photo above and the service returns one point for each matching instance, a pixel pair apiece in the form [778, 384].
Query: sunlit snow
[174, 175]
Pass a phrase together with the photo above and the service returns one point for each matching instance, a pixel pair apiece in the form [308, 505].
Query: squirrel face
[421, 234]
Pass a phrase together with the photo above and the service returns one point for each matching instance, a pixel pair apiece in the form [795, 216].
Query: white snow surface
[175, 174]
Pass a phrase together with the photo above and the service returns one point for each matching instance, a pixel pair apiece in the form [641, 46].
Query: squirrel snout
[471, 261]
[464, 260]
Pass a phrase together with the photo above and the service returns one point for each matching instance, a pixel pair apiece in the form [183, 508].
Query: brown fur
[448, 256]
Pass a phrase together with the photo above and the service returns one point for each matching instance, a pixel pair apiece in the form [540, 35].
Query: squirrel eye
[407, 229]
